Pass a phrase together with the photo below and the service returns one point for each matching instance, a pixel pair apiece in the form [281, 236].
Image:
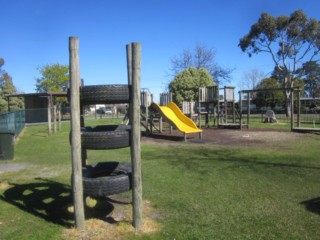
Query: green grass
[200, 192]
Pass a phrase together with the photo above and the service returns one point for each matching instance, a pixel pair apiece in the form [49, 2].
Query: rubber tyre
[104, 94]
[105, 137]
[107, 178]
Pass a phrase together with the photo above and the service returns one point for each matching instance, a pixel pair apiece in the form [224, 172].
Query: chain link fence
[13, 121]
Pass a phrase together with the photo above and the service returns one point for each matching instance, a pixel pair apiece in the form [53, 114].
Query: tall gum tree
[289, 40]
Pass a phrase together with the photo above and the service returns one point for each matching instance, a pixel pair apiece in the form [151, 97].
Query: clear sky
[35, 32]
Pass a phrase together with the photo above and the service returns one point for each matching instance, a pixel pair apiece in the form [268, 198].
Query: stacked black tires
[105, 178]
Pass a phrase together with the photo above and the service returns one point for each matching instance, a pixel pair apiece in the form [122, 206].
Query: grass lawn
[198, 191]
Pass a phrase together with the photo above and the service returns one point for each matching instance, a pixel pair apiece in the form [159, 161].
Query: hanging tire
[104, 94]
[107, 178]
[105, 137]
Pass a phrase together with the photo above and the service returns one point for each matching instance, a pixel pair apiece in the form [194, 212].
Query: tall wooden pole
[135, 135]
[75, 132]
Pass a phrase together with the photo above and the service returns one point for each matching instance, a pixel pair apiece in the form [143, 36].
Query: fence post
[59, 117]
[248, 109]
[292, 109]
[75, 132]
[240, 106]
[54, 118]
[299, 109]
[49, 116]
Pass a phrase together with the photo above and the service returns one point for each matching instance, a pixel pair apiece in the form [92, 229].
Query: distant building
[36, 104]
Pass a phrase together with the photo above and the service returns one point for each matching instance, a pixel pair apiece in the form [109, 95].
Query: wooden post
[240, 105]
[233, 107]
[299, 109]
[59, 117]
[292, 109]
[160, 124]
[199, 109]
[75, 132]
[49, 116]
[225, 105]
[248, 109]
[135, 135]
[54, 118]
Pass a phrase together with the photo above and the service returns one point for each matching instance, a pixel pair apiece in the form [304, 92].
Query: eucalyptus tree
[310, 74]
[289, 40]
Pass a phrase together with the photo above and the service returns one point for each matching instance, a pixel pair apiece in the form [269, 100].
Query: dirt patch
[4, 185]
[117, 225]
[226, 137]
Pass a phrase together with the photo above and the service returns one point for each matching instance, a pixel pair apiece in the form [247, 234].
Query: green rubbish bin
[6, 145]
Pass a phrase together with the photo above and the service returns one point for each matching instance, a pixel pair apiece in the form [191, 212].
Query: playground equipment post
[134, 69]
[75, 133]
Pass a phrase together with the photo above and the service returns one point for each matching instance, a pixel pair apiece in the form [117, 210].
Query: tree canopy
[186, 84]
[251, 79]
[54, 78]
[310, 74]
[200, 57]
[7, 88]
[268, 99]
[289, 40]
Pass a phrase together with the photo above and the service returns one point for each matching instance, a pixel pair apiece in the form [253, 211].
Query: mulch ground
[224, 137]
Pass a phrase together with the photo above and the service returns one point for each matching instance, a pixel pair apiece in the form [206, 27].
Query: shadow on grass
[164, 136]
[312, 205]
[205, 159]
[52, 201]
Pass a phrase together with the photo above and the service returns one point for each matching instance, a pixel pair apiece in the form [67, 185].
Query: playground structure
[152, 115]
[220, 110]
[224, 111]
[207, 106]
[228, 116]
[298, 120]
[105, 178]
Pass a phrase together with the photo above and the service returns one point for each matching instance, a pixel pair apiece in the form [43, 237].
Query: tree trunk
[288, 104]
[288, 83]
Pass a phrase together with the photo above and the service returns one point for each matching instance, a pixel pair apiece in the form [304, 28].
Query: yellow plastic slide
[175, 116]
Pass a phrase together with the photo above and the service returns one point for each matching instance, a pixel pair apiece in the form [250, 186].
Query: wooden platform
[302, 129]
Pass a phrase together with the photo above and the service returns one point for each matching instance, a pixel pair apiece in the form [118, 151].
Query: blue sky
[36, 32]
